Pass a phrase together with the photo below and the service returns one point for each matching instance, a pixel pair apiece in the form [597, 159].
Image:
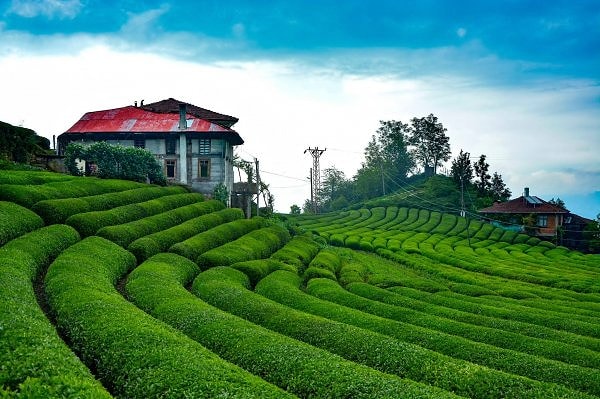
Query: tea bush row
[520, 336]
[161, 241]
[135, 355]
[124, 234]
[28, 195]
[16, 220]
[364, 346]
[487, 342]
[58, 210]
[298, 252]
[256, 244]
[157, 286]
[89, 223]
[25, 177]
[34, 360]
[216, 236]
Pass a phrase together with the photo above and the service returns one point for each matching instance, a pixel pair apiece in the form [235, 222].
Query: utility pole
[257, 188]
[315, 176]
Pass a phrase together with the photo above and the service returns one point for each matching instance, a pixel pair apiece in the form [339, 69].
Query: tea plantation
[111, 288]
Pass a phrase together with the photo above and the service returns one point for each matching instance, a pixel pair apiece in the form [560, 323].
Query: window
[542, 220]
[203, 168]
[139, 142]
[204, 146]
[170, 168]
[171, 145]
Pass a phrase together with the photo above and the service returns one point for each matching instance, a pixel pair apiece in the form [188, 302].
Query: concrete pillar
[182, 158]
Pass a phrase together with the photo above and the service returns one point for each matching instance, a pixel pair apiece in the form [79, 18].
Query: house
[547, 217]
[194, 145]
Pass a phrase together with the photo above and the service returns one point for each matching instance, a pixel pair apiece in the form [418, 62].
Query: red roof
[137, 120]
[524, 204]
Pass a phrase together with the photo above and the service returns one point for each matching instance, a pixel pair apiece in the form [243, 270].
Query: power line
[280, 175]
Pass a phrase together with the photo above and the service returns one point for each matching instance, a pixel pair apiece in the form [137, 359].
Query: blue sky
[516, 80]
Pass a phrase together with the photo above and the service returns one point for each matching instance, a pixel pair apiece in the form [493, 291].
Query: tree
[220, 193]
[294, 209]
[332, 182]
[19, 144]
[482, 178]
[558, 202]
[431, 145]
[498, 189]
[461, 169]
[387, 159]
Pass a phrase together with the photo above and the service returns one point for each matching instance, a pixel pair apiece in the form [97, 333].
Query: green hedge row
[500, 332]
[25, 177]
[157, 286]
[298, 252]
[493, 348]
[326, 264]
[257, 269]
[161, 241]
[363, 346]
[256, 244]
[89, 223]
[124, 234]
[34, 361]
[16, 220]
[135, 355]
[460, 309]
[28, 195]
[58, 210]
[196, 245]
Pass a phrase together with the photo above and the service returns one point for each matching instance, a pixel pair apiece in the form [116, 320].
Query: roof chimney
[526, 192]
[182, 118]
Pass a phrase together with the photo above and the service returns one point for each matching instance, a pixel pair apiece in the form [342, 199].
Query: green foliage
[35, 361]
[27, 195]
[220, 193]
[20, 144]
[161, 241]
[88, 223]
[256, 244]
[157, 286]
[115, 162]
[31, 177]
[16, 220]
[59, 210]
[133, 353]
[431, 146]
[124, 234]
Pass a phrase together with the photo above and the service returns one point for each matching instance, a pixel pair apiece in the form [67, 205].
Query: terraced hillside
[120, 289]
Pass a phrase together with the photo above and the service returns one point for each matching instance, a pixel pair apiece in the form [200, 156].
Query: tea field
[111, 288]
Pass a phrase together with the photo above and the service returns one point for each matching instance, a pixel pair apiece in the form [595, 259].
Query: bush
[161, 241]
[89, 223]
[361, 345]
[157, 286]
[298, 252]
[124, 234]
[58, 210]
[22, 177]
[256, 244]
[35, 360]
[16, 220]
[220, 234]
[133, 353]
[28, 195]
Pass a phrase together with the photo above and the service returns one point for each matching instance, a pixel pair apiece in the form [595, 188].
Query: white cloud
[61, 9]
[461, 32]
[140, 25]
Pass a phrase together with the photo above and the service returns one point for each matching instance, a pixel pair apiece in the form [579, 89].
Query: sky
[518, 81]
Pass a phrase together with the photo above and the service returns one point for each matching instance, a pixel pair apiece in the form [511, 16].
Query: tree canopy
[431, 146]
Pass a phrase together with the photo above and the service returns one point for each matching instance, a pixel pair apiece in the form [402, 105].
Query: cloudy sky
[518, 81]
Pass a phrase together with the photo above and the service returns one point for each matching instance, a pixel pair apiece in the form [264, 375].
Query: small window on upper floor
[171, 145]
[204, 146]
[542, 220]
[139, 142]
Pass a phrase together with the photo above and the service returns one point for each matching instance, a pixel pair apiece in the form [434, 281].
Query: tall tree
[482, 177]
[431, 146]
[333, 181]
[461, 169]
[498, 189]
[387, 158]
